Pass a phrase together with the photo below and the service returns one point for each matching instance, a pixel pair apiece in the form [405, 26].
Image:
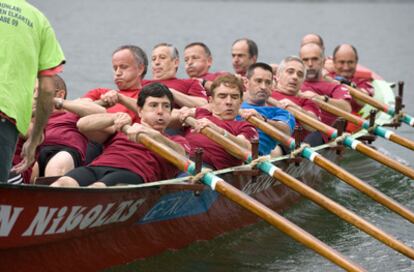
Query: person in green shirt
[29, 50]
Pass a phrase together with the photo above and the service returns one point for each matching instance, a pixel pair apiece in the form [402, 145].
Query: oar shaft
[401, 141]
[380, 131]
[285, 226]
[253, 206]
[272, 132]
[360, 185]
[306, 119]
[374, 154]
[339, 112]
[369, 100]
[215, 136]
[337, 209]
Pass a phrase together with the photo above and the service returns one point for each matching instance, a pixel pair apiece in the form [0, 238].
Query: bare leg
[97, 184]
[61, 163]
[276, 152]
[65, 182]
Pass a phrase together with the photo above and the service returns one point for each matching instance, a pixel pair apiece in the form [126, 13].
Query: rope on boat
[255, 162]
[339, 140]
[197, 177]
[398, 117]
[298, 151]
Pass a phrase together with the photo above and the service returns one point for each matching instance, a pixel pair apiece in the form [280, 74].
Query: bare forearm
[128, 102]
[44, 107]
[157, 136]
[280, 126]
[99, 121]
[188, 100]
[80, 107]
[340, 103]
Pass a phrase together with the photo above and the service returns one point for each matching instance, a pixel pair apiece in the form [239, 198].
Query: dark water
[382, 32]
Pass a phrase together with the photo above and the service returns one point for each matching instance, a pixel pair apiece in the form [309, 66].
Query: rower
[345, 60]
[64, 147]
[198, 60]
[225, 101]
[314, 86]
[290, 77]
[258, 89]
[244, 52]
[164, 63]
[129, 64]
[124, 160]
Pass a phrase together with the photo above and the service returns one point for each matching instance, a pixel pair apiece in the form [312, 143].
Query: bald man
[335, 94]
[345, 60]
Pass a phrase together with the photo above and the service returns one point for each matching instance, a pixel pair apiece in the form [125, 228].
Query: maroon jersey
[213, 76]
[119, 152]
[26, 174]
[61, 129]
[360, 83]
[304, 103]
[332, 90]
[214, 154]
[95, 94]
[186, 86]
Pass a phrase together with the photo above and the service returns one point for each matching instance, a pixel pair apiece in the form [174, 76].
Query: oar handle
[272, 132]
[180, 161]
[231, 147]
[306, 119]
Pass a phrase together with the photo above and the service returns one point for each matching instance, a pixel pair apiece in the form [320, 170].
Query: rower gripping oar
[232, 193]
[275, 133]
[352, 180]
[317, 197]
[377, 130]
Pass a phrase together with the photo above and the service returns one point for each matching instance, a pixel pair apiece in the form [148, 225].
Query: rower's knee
[97, 184]
[65, 182]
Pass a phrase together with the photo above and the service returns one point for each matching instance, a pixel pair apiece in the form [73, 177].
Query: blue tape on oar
[408, 120]
[309, 154]
[380, 131]
[292, 144]
[351, 142]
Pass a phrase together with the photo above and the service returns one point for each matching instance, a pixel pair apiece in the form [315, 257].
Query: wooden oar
[344, 175]
[377, 130]
[331, 132]
[247, 202]
[312, 194]
[378, 105]
[360, 147]
[274, 133]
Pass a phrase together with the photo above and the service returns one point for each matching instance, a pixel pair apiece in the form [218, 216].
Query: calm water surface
[90, 30]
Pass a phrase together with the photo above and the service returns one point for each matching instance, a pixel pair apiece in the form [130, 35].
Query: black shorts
[109, 175]
[47, 152]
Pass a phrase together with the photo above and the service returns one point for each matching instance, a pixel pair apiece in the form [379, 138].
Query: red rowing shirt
[95, 94]
[304, 103]
[332, 90]
[186, 86]
[119, 152]
[214, 154]
[360, 83]
[61, 129]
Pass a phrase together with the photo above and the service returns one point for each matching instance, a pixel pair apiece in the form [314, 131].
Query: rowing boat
[43, 228]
